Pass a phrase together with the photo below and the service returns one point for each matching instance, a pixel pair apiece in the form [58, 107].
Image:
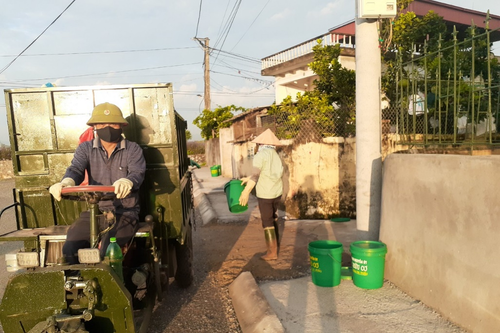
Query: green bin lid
[368, 247]
[340, 219]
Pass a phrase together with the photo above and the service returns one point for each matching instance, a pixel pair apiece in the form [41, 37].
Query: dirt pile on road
[6, 170]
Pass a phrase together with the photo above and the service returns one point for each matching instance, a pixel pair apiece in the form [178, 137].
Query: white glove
[245, 194]
[123, 186]
[56, 189]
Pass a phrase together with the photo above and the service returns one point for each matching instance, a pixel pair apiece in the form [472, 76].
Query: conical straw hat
[267, 138]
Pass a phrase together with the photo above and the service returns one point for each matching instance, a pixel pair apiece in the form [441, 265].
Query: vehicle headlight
[89, 256]
[28, 259]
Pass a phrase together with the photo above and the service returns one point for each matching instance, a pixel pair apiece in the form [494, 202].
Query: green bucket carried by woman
[326, 262]
[233, 190]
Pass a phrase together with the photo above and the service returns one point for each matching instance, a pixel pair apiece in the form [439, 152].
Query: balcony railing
[346, 41]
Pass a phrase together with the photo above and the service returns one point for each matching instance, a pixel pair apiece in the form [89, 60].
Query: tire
[184, 274]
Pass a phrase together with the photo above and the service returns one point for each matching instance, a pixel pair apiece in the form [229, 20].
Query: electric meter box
[377, 8]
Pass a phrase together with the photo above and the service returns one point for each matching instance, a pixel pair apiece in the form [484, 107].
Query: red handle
[87, 188]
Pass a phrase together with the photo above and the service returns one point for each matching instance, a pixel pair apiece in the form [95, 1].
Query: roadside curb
[254, 313]
[202, 203]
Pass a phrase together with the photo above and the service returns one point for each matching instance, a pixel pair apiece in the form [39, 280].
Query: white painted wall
[301, 80]
[225, 135]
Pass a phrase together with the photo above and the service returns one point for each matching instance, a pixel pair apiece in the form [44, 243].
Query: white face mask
[265, 147]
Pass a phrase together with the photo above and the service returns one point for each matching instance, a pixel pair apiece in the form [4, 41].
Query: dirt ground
[6, 170]
[235, 248]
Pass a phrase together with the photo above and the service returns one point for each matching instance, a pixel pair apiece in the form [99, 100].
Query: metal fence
[449, 96]
[312, 125]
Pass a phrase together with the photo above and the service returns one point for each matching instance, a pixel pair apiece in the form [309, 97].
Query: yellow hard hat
[107, 113]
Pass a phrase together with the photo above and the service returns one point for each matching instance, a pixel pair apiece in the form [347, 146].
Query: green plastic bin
[368, 263]
[219, 169]
[233, 190]
[214, 171]
[326, 262]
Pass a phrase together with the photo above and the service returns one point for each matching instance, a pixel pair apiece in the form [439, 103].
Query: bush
[195, 147]
[4, 152]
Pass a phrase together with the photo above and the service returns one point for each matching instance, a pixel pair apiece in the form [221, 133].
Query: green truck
[47, 295]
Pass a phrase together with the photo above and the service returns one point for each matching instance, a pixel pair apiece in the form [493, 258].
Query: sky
[96, 42]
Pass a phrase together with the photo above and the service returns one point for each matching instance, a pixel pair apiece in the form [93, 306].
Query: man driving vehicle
[108, 159]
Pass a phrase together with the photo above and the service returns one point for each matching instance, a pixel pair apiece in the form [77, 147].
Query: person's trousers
[78, 236]
[268, 211]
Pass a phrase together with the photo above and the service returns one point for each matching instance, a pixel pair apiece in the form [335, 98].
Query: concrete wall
[299, 79]
[242, 159]
[440, 223]
[226, 135]
[319, 178]
[212, 152]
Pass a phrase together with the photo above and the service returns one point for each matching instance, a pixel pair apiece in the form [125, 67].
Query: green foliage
[422, 56]
[5, 153]
[407, 37]
[211, 121]
[329, 109]
[310, 105]
[335, 81]
[195, 147]
[189, 136]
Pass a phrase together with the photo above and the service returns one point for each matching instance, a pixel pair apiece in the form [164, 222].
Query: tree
[334, 81]
[429, 44]
[189, 136]
[405, 35]
[337, 84]
[291, 116]
[211, 121]
[4, 152]
[329, 109]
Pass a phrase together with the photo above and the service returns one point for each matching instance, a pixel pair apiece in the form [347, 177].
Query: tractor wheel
[184, 274]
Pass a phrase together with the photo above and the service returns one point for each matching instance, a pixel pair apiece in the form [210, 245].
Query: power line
[229, 18]
[222, 93]
[245, 77]
[255, 60]
[223, 17]
[33, 42]
[255, 19]
[103, 73]
[222, 87]
[100, 52]
[199, 15]
[230, 24]
[237, 69]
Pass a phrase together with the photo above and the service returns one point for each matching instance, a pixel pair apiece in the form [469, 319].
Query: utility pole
[368, 129]
[368, 116]
[204, 43]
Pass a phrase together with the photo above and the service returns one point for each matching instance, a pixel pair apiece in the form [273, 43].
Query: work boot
[271, 243]
[277, 231]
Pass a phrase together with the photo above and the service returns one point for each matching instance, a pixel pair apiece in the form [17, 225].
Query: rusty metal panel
[32, 121]
[32, 164]
[159, 156]
[153, 112]
[32, 214]
[118, 96]
[73, 102]
[58, 164]
[68, 130]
